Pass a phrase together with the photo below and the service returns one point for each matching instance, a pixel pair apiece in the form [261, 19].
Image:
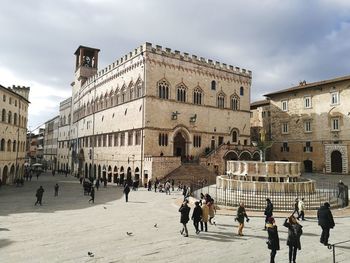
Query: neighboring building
[64, 156]
[260, 119]
[310, 124]
[140, 116]
[35, 146]
[51, 142]
[13, 129]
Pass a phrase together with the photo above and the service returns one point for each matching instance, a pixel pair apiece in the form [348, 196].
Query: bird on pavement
[91, 254]
[155, 225]
[129, 233]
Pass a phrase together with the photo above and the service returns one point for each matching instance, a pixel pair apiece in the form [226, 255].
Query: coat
[197, 214]
[205, 213]
[40, 192]
[325, 217]
[185, 214]
[126, 189]
[241, 214]
[268, 209]
[273, 239]
[294, 233]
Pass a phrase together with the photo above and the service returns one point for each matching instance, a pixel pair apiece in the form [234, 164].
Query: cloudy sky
[281, 41]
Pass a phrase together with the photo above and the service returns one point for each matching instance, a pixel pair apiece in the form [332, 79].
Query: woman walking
[294, 233]
[241, 214]
[273, 242]
[185, 217]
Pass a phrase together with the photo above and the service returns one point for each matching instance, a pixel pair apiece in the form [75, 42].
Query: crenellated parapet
[21, 90]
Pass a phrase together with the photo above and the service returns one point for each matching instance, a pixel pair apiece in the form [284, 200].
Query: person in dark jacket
[293, 240]
[296, 207]
[39, 195]
[273, 242]
[325, 221]
[56, 189]
[92, 194]
[197, 216]
[268, 211]
[185, 212]
[241, 214]
[126, 192]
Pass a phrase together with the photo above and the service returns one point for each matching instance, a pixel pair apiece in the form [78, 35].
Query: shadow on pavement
[5, 242]
[4, 229]
[14, 200]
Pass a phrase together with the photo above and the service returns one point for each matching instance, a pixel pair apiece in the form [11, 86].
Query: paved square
[67, 227]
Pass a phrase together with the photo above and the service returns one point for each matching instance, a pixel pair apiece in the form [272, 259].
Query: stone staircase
[191, 173]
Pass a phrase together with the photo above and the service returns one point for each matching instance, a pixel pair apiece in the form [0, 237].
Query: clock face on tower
[87, 61]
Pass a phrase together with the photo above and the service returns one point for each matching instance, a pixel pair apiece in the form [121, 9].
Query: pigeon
[129, 233]
[91, 254]
[155, 225]
[105, 207]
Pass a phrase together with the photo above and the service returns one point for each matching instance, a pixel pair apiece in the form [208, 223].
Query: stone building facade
[310, 124]
[64, 156]
[35, 146]
[13, 129]
[51, 143]
[150, 104]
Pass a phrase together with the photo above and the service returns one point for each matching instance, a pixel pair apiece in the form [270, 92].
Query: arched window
[101, 102]
[3, 118]
[213, 85]
[9, 145]
[181, 92]
[234, 103]
[123, 99]
[15, 119]
[9, 117]
[138, 89]
[234, 136]
[2, 145]
[106, 101]
[197, 96]
[221, 101]
[241, 91]
[163, 89]
[14, 146]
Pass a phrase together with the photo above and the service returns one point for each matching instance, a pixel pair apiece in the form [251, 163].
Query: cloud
[282, 42]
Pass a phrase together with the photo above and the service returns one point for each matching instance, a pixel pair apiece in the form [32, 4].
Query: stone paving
[67, 227]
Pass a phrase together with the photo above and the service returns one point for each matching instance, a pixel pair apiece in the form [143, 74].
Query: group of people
[325, 221]
[299, 208]
[203, 212]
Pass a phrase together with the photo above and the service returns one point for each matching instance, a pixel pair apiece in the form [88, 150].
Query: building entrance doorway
[180, 145]
[336, 162]
[308, 166]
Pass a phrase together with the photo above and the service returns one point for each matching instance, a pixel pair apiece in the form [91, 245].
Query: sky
[282, 42]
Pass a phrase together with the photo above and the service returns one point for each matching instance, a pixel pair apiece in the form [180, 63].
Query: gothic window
[9, 117]
[241, 91]
[3, 116]
[197, 96]
[285, 147]
[181, 93]
[163, 89]
[106, 101]
[115, 139]
[2, 145]
[197, 141]
[213, 85]
[9, 145]
[234, 103]
[14, 146]
[163, 139]
[138, 138]
[88, 108]
[101, 103]
[234, 136]
[122, 139]
[221, 101]
[130, 137]
[138, 87]
[15, 119]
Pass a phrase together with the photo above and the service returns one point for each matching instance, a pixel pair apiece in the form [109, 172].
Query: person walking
[296, 207]
[172, 184]
[39, 195]
[268, 211]
[205, 216]
[293, 240]
[97, 184]
[241, 214]
[126, 192]
[197, 216]
[273, 241]
[149, 185]
[167, 187]
[325, 221]
[301, 209]
[92, 194]
[56, 189]
[185, 212]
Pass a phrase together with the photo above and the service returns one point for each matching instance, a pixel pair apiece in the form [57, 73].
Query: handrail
[332, 246]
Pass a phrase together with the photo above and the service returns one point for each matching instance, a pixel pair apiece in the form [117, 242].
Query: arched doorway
[121, 175]
[336, 162]
[115, 175]
[104, 172]
[86, 170]
[180, 145]
[137, 174]
[90, 170]
[245, 156]
[109, 174]
[12, 172]
[256, 156]
[4, 175]
[99, 172]
[231, 156]
[308, 166]
[128, 176]
[95, 171]
[81, 161]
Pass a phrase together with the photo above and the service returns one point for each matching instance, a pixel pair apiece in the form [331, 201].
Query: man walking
[325, 221]
[185, 212]
[39, 195]
[92, 194]
[126, 192]
[301, 209]
[268, 211]
[56, 189]
[296, 207]
[197, 216]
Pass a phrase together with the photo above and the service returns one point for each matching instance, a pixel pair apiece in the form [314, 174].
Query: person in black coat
[241, 214]
[197, 216]
[185, 217]
[39, 195]
[126, 192]
[268, 211]
[293, 240]
[273, 242]
[92, 194]
[325, 221]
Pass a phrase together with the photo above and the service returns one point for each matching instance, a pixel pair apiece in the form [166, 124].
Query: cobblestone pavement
[67, 227]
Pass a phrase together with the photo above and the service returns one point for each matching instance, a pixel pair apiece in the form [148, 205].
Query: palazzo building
[143, 114]
[310, 123]
[13, 129]
[51, 143]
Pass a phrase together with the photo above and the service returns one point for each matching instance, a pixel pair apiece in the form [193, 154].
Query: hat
[196, 203]
[270, 220]
[326, 204]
